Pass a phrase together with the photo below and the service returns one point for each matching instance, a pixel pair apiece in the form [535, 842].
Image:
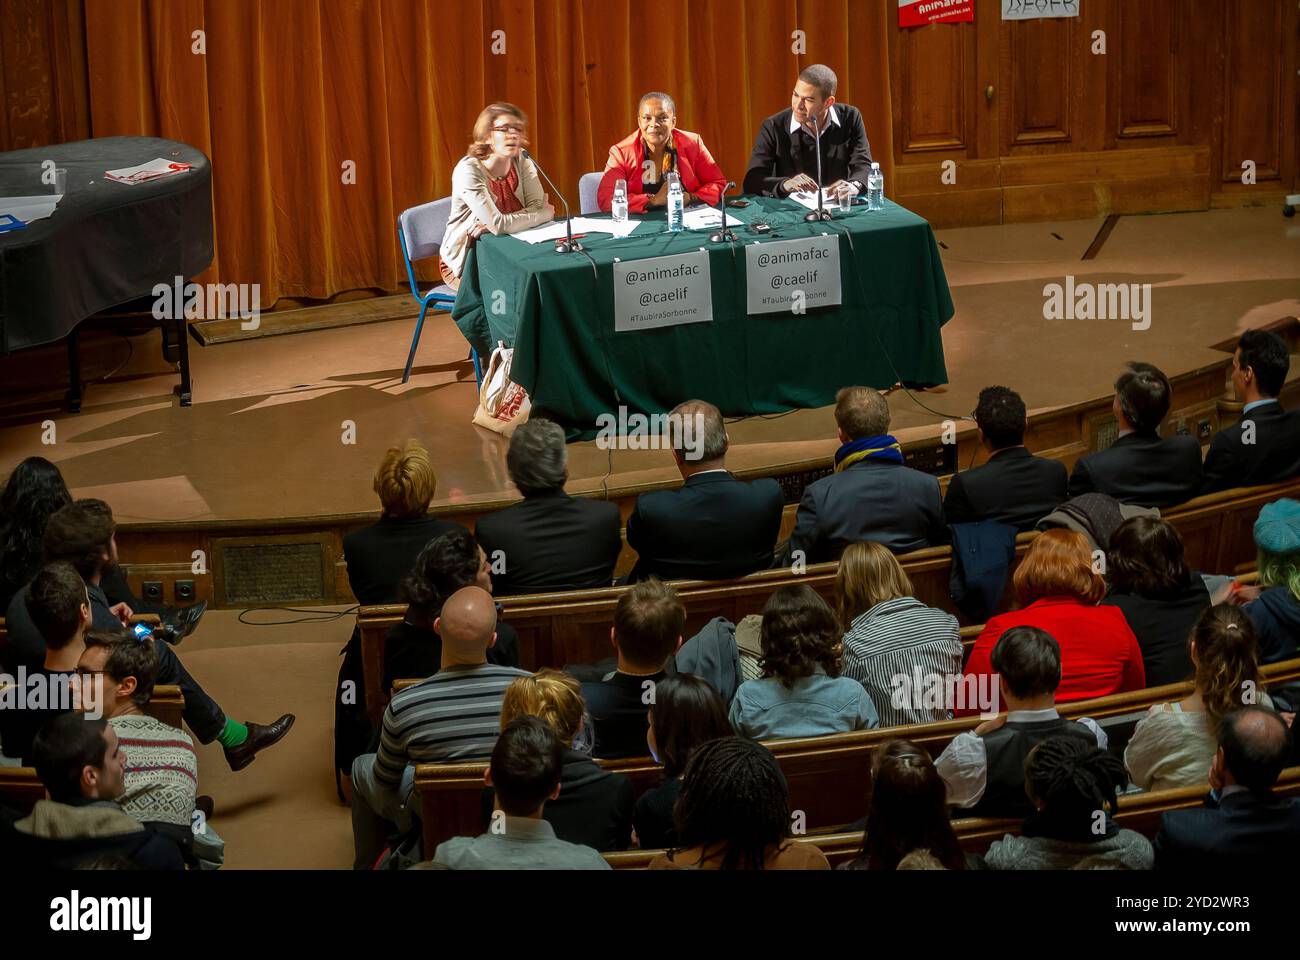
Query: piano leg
[183, 344]
[74, 374]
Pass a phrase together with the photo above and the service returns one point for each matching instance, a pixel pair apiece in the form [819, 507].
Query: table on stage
[557, 311]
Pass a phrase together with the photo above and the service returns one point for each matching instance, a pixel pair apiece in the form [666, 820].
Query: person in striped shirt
[453, 716]
[894, 645]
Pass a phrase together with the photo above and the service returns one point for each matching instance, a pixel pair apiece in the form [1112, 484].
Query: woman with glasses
[657, 148]
[493, 189]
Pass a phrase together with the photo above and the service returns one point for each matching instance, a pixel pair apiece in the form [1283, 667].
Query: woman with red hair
[1057, 587]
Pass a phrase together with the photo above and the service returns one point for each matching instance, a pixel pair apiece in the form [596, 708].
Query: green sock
[233, 735]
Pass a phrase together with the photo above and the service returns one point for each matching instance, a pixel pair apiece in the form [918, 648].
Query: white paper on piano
[147, 171]
[555, 230]
[808, 198]
[705, 218]
[29, 209]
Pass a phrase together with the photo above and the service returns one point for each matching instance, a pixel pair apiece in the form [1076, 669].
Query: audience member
[81, 766]
[1244, 825]
[871, 495]
[800, 692]
[1160, 597]
[715, 527]
[1013, 486]
[1174, 743]
[733, 813]
[1264, 447]
[549, 541]
[1275, 608]
[453, 715]
[647, 629]
[594, 807]
[1072, 787]
[1058, 588]
[525, 774]
[906, 812]
[985, 770]
[1141, 467]
[889, 633]
[83, 533]
[687, 712]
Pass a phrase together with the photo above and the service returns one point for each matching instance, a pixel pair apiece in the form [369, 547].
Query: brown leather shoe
[259, 738]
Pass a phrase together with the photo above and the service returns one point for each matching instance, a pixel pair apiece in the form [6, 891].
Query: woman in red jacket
[1058, 589]
[645, 158]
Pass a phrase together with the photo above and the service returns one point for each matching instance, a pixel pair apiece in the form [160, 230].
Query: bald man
[454, 716]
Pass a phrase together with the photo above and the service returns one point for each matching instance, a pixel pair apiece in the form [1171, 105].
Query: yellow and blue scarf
[883, 447]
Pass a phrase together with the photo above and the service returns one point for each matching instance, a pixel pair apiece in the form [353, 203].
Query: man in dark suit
[714, 527]
[784, 160]
[1141, 467]
[550, 541]
[871, 495]
[1248, 825]
[1265, 446]
[1014, 486]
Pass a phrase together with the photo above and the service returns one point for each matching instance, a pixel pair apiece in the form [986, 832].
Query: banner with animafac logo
[792, 276]
[917, 13]
[662, 292]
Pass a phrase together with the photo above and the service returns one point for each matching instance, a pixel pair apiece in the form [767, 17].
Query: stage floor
[264, 438]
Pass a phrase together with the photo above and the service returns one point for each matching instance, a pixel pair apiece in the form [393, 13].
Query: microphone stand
[567, 245]
[821, 213]
[724, 234]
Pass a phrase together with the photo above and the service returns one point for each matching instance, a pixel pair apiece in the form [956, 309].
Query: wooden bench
[1141, 812]
[827, 776]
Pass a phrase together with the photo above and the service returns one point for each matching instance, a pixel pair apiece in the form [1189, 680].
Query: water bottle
[875, 188]
[619, 206]
[675, 203]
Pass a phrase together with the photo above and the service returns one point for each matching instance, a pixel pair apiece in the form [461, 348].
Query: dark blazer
[1162, 627]
[653, 817]
[1242, 832]
[778, 155]
[552, 542]
[617, 707]
[380, 555]
[714, 527]
[1142, 469]
[1273, 456]
[870, 500]
[1014, 487]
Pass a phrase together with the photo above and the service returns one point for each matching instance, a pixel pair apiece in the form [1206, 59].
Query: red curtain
[286, 92]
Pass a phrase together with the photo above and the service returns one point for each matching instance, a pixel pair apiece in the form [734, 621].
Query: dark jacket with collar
[870, 500]
[1273, 455]
[1014, 487]
[778, 154]
[68, 836]
[714, 527]
[551, 542]
[1276, 615]
[381, 555]
[1162, 626]
[1142, 469]
[1243, 831]
[617, 706]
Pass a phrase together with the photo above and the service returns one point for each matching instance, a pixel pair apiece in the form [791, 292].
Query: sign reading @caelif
[792, 276]
[662, 292]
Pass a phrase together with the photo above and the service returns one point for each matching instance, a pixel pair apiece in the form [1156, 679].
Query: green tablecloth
[557, 312]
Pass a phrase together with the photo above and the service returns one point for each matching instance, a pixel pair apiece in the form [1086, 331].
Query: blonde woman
[1175, 743]
[594, 807]
[493, 189]
[888, 633]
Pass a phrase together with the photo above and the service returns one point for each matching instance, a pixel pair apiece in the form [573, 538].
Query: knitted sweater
[160, 757]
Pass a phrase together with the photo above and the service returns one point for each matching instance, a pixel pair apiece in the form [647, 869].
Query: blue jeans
[378, 810]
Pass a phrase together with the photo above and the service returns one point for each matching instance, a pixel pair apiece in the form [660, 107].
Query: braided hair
[1227, 661]
[1072, 781]
[734, 795]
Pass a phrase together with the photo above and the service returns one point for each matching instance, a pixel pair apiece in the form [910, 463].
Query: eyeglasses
[508, 128]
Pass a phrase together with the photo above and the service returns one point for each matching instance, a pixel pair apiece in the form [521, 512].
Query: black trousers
[203, 715]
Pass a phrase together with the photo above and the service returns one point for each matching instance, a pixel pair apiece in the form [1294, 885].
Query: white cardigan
[471, 203]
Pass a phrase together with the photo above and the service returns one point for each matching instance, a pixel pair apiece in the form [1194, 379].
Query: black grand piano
[104, 248]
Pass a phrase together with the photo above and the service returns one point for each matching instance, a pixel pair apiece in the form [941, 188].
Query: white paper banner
[1039, 9]
[662, 292]
[791, 276]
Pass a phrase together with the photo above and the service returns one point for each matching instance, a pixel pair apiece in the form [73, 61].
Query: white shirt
[831, 115]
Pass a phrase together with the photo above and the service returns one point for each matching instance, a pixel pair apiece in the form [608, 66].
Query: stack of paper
[808, 198]
[706, 218]
[148, 171]
[28, 209]
[556, 230]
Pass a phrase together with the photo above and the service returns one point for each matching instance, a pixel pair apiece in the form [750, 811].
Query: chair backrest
[423, 228]
[588, 185]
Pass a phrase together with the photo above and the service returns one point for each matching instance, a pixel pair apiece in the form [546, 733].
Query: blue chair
[588, 187]
[420, 231]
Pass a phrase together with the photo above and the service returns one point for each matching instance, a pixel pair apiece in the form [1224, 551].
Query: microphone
[820, 213]
[567, 245]
[724, 234]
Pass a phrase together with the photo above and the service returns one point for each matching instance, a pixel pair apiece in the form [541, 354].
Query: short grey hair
[706, 439]
[657, 95]
[538, 458]
[822, 77]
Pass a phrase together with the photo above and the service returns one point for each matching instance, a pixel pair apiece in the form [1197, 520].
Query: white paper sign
[662, 292]
[790, 276]
[1039, 9]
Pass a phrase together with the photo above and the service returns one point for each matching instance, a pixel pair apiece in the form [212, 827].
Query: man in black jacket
[1014, 486]
[715, 527]
[784, 160]
[1265, 446]
[1141, 467]
[550, 541]
[1244, 824]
